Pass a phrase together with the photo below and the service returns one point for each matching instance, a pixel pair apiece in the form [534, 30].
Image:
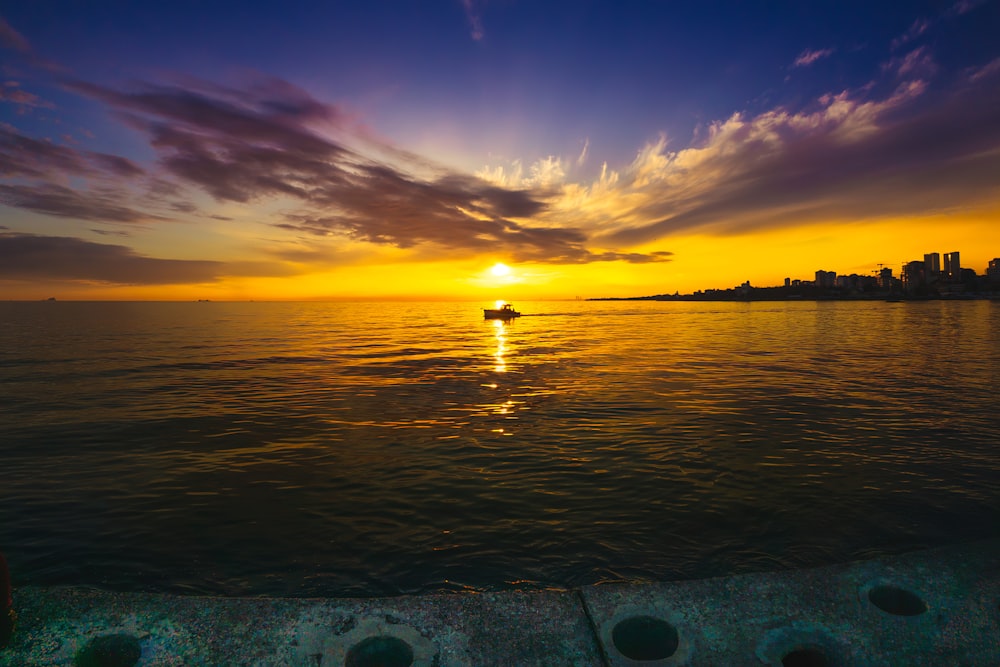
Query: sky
[489, 149]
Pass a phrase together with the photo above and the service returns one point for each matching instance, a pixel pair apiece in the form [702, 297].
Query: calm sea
[374, 449]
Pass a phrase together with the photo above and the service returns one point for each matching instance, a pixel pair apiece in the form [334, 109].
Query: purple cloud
[808, 57]
[115, 165]
[272, 140]
[11, 91]
[100, 205]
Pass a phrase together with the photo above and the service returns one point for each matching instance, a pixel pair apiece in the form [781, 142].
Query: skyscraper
[952, 265]
[932, 265]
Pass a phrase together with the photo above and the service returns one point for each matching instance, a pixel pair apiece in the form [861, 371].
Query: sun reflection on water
[499, 330]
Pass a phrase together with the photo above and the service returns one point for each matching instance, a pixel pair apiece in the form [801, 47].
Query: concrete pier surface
[935, 607]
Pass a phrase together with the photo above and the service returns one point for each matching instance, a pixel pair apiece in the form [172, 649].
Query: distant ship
[504, 312]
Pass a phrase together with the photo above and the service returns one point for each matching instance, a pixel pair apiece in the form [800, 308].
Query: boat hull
[499, 314]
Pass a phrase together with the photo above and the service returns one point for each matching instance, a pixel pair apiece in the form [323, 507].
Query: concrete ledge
[927, 608]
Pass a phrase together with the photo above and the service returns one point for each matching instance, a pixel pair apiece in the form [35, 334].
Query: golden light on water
[499, 331]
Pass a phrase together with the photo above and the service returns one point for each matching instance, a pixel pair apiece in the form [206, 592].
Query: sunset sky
[341, 150]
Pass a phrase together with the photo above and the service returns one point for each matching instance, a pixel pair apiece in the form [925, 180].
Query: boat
[504, 312]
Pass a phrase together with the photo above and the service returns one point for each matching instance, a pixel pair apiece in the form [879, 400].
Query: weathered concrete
[943, 608]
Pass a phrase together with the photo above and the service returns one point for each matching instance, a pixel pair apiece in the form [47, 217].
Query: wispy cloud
[966, 6]
[12, 39]
[473, 13]
[918, 28]
[916, 63]
[808, 57]
[987, 71]
[582, 158]
[12, 93]
[99, 205]
[37, 173]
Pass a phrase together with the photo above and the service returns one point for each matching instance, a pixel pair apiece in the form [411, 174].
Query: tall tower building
[932, 265]
[952, 265]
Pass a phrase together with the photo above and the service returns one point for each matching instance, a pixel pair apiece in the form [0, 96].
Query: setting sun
[500, 270]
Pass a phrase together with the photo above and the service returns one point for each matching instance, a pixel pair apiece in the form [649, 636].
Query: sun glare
[500, 270]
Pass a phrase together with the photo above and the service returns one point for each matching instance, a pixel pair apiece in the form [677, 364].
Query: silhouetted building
[885, 278]
[932, 265]
[993, 271]
[913, 276]
[826, 278]
[953, 266]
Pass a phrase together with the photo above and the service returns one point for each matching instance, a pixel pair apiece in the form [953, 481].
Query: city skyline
[918, 277]
[472, 150]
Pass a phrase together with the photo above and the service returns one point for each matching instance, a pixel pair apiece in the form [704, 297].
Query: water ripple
[373, 449]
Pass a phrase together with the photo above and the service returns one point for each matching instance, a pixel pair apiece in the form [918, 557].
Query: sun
[500, 270]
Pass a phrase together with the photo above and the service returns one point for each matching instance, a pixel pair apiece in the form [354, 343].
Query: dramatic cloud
[808, 57]
[849, 160]
[846, 159]
[307, 169]
[276, 141]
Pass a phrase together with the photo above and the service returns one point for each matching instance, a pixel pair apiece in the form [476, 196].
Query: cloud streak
[36, 257]
[32, 257]
[12, 39]
[808, 57]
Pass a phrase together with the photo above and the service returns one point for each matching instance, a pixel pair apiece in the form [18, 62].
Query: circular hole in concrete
[896, 601]
[805, 657]
[645, 638]
[383, 651]
[119, 650]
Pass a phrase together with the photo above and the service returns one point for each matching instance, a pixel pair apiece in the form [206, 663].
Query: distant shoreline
[800, 297]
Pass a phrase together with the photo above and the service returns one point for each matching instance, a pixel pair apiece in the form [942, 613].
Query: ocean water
[377, 449]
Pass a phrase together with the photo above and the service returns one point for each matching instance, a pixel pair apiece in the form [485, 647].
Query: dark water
[372, 449]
